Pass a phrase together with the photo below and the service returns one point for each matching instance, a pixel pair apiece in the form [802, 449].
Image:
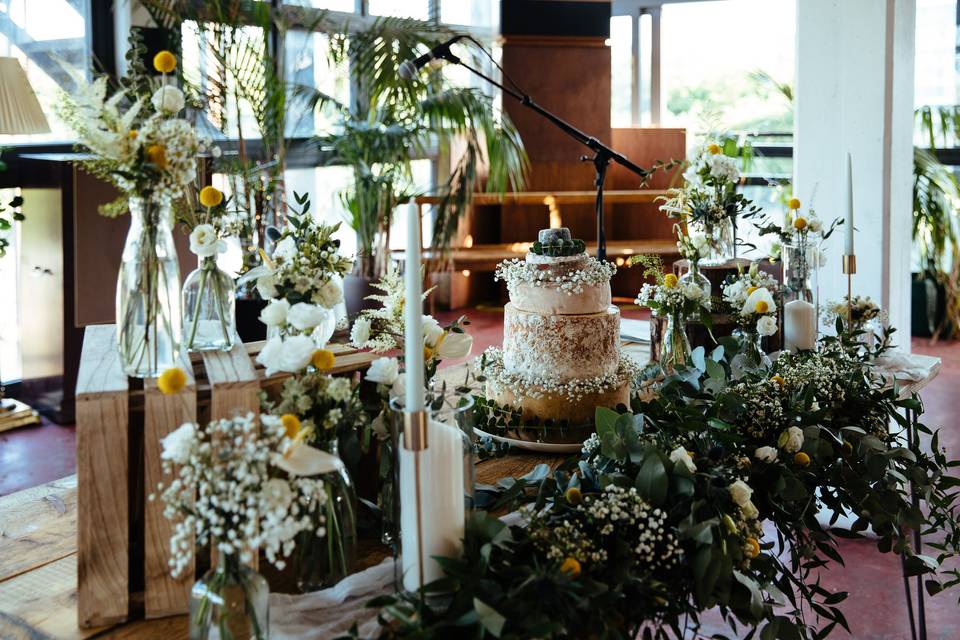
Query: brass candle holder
[415, 440]
[849, 268]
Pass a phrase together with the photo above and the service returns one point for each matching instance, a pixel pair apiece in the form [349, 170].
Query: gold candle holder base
[415, 440]
[849, 268]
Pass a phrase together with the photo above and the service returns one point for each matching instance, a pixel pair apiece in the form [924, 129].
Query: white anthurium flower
[178, 444]
[384, 371]
[205, 242]
[791, 440]
[432, 331]
[167, 99]
[305, 316]
[681, 455]
[766, 454]
[754, 300]
[285, 249]
[291, 355]
[275, 313]
[740, 492]
[301, 459]
[267, 286]
[455, 345]
[767, 326]
[360, 332]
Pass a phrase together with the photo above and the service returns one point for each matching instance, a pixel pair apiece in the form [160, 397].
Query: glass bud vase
[148, 293]
[324, 561]
[722, 241]
[694, 275]
[800, 262]
[675, 347]
[752, 347]
[209, 297]
[230, 602]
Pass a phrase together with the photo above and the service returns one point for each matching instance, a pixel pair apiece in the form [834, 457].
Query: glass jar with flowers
[239, 485]
[750, 298]
[150, 155]
[693, 246]
[208, 295]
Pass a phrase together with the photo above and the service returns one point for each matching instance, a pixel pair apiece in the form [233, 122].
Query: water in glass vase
[230, 602]
[208, 308]
[148, 293]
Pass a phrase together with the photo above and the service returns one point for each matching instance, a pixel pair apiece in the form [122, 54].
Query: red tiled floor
[875, 609]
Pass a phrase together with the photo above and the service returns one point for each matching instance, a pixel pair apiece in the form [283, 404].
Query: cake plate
[530, 445]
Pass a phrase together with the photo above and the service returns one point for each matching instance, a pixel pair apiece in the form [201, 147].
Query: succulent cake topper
[557, 243]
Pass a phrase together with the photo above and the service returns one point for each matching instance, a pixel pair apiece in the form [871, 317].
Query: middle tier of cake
[561, 347]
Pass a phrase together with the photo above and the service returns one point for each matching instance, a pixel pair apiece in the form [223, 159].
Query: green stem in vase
[222, 314]
[196, 306]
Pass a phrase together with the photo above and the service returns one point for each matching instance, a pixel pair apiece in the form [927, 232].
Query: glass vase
[324, 561]
[722, 239]
[208, 298]
[694, 275]
[230, 602]
[752, 349]
[148, 293]
[800, 262]
[674, 347]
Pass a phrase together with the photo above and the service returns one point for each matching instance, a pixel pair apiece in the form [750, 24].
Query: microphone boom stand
[602, 154]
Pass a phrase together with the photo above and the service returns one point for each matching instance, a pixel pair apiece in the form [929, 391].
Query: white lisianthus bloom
[814, 225]
[305, 316]
[329, 295]
[767, 326]
[204, 241]
[691, 175]
[285, 249]
[455, 345]
[275, 313]
[167, 100]
[680, 455]
[740, 492]
[791, 440]
[700, 242]
[432, 331]
[178, 444]
[752, 303]
[360, 332]
[291, 355]
[766, 454]
[693, 291]
[749, 510]
[384, 371]
[267, 286]
[723, 167]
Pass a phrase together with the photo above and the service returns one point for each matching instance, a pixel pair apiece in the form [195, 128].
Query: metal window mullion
[636, 68]
[655, 70]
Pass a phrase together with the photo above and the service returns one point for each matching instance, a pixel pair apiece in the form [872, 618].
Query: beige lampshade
[20, 111]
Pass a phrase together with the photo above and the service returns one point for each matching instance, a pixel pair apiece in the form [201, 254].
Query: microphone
[408, 69]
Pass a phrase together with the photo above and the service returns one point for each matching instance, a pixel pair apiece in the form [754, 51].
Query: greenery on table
[716, 452]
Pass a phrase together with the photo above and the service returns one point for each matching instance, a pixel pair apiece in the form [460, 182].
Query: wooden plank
[613, 196]
[102, 515]
[37, 526]
[234, 385]
[164, 595]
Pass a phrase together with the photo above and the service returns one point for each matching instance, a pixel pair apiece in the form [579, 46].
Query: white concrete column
[854, 93]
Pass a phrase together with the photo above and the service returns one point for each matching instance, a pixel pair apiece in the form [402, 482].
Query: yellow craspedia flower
[291, 425]
[165, 62]
[132, 134]
[751, 548]
[793, 203]
[570, 567]
[800, 223]
[210, 197]
[761, 306]
[322, 359]
[713, 148]
[172, 380]
[670, 281]
[573, 495]
[156, 155]
[801, 459]
[779, 379]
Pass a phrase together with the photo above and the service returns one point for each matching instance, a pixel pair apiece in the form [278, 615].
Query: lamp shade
[20, 111]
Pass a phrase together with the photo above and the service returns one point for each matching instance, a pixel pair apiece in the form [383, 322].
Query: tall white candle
[412, 319]
[848, 222]
[799, 326]
[441, 504]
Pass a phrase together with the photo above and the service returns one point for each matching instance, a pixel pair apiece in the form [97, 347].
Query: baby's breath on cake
[516, 271]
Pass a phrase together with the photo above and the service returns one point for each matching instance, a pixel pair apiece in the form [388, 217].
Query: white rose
[692, 291]
[680, 455]
[791, 440]
[291, 355]
[178, 444]
[432, 331]
[329, 295]
[455, 345]
[767, 326]
[760, 294]
[168, 100]
[275, 313]
[285, 249]
[360, 332]
[740, 492]
[204, 241]
[267, 286]
[814, 225]
[305, 316]
[749, 510]
[766, 454]
[384, 371]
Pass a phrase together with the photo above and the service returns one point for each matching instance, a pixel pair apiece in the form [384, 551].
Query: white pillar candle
[441, 504]
[799, 326]
[848, 222]
[412, 317]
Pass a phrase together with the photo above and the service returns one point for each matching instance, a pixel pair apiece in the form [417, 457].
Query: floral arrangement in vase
[751, 299]
[140, 145]
[240, 485]
[693, 247]
[709, 200]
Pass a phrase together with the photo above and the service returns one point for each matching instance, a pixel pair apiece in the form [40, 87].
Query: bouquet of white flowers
[751, 299]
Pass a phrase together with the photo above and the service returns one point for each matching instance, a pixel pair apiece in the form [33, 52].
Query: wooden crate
[122, 536]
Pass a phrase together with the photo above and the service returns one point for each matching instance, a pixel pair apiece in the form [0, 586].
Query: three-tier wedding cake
[561, 354]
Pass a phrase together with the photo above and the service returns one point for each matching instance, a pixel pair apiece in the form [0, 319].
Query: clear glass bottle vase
[722, 240]
[800, 267]
[752, 347]
[231, 601]
[695, 275]
[323, 561]
[148, 293]
[674, 347]
[209, 298]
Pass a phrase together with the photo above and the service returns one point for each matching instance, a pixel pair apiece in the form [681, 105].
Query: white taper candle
[848, 222]
[412, 315]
